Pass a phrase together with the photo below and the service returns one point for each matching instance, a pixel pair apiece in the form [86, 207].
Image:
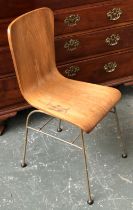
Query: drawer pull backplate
[114, 14]
[72, 71]
[72, 20]
[71, 45]
[110, 67]
[113, 40]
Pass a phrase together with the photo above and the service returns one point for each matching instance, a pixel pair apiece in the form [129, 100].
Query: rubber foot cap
[90, 202]
[23, 165]
[124, 155]
[59, 129]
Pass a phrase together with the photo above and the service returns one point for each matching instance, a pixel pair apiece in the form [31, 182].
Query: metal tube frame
[59, 129]
[90, 200]
[121, 140]
[24, 164]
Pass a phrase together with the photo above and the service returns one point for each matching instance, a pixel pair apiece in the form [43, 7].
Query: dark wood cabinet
[93, 42]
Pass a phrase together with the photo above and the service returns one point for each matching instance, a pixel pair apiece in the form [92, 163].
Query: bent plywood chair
[31, 41]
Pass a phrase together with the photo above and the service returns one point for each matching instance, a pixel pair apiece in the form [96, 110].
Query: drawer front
[90, 17]
[90, 44]
[13, 8]
[3, 31]
[99, 70]
[6, 64]
[9, 92]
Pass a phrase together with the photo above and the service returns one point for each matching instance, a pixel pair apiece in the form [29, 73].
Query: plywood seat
[83, 104]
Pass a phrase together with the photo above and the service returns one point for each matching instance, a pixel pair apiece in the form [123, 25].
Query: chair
[31, 41]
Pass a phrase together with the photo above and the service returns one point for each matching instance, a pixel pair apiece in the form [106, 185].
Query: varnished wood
[9, 94]
[93, 43]
[117, 82]
[12, 110]
[6, 64]
[13, 8]
[6, 116]
[3, 27]
[40, 82]
[3, 122]
[2, 128]
[129, 83]
[92, 17]
[97, 74]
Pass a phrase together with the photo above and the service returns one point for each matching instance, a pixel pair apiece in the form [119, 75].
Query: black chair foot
[23, 165]
[90, 202]
[59, 129]
[124, 155]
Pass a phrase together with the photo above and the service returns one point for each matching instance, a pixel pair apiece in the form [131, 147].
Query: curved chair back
[31, 40]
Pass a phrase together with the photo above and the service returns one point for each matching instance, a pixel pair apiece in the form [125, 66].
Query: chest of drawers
[93, 42]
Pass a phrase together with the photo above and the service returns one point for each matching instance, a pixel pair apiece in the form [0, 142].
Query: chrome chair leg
[90, 200]
[24, 164]
[59, 129]
[122, 142]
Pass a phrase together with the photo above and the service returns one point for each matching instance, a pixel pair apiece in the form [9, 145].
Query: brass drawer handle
[114, 14]
[72, 71]
[113, 40]
[72, 20]
[110, 67]
[71, 44]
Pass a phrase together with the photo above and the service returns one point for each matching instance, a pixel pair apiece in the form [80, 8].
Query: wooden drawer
[6, 64]
[101, 69]
[81, 45]
[13, 8]
[90, 17]
[9, 92]
[3, 30]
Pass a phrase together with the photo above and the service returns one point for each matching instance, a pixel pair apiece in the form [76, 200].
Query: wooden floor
[54, 178]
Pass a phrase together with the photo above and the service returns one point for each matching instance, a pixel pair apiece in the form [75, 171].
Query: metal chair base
[122, 144]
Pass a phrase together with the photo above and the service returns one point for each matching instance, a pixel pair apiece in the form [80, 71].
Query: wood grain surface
[31, 40]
